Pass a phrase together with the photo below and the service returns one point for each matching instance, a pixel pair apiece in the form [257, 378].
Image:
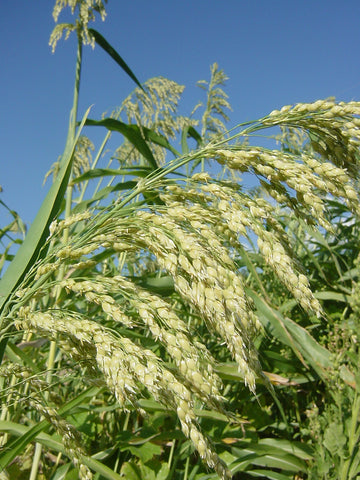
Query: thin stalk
[353, 433]
[126, 421]
[74, 111]
[5, 412]
[353, 439]
[69, 141]
[117, 462]
[97, 158]
[186, 473]
[171, 455]
[36, 461]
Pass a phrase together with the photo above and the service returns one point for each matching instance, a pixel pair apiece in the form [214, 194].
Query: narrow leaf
[335, 296]
[16, 355]
[293, 335]
[39, 230]
[298, 449]
[270, 475]
[103, 193]
[111, 172]
[105, 45]
[268, 456]
[189, 131]
[160, 285]
[132, 132]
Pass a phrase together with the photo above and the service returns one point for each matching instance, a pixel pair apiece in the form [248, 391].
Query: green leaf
[160, 285]
[103, 193]
[160, 140]
[130, 471]
[298, 449]
[335, 296]
[100, 40]
[154, 471]
[293, 335]
[229, 371]
[163, 473]
[334, 439]
[17, 446]
[237, 465]
[61, 472]
[189, 131]
[131, 132]
[211, 414]
[355, 465]
[104, 172]
[145, 452]
[323, 295]
[268, 456]
[54, 442]
[270, 475]
[152, 406]
[16, 355]
[29, 251]
[137, 136]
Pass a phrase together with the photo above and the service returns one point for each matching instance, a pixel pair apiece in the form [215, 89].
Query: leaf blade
[293, 335]
[105, 45]
[39, 230]
[132, 132]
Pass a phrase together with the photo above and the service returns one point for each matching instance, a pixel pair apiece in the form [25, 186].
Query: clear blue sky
[274, 52]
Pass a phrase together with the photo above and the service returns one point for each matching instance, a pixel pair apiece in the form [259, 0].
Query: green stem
[36, 461]
[186, 473]
[353, 440]
[69, 141]
[93, 166]
[126, 421]
[171, 455]
[74, 111]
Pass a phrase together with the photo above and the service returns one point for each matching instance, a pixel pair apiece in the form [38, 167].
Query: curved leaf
[111, 172]
[105, 45]
[269, 456]
[270, 475]
[133, 133]
[137, 136]
[39, 230]
[189, 131]
[103, 193]
[293, 335]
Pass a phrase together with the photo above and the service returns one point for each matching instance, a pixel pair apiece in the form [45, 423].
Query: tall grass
[135, 314]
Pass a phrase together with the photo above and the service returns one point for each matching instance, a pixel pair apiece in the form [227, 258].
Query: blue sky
[274, 52]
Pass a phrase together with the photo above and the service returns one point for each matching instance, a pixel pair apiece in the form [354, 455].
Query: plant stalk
[69, 141]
